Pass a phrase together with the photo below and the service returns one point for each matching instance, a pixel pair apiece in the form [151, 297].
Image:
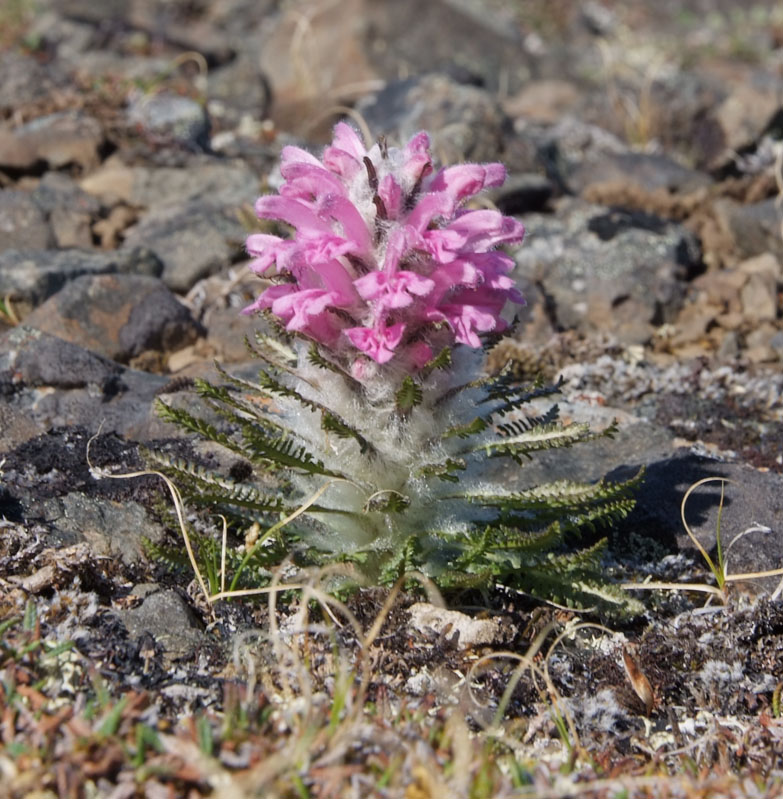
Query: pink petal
[420, 353]
[485, 229]
[428, 208]
[289, 210]
[300, 306]
[269, 296]
[390, 192]
[296, 155]
[307, 181]
[342, 210]
[378, 344]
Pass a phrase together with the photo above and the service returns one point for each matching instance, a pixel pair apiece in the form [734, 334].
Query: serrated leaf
[446, 470]
[333, 424]
[466, 430]
[408, 396]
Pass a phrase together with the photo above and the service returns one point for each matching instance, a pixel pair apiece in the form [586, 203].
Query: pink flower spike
[467, 320]
[380, 251]
[307, 181]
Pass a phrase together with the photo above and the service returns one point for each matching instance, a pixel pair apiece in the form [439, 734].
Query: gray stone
[24, 80]
[464, 122]
[118, 316]
[71, 211]
[193, 239]
[755, 227]
[64, 138]
[53, 383]
[56, 189]
[613, 272]
[36, 359]
[166, 118]
[22, 223]
[238, 89]
[523, 193]
[112, 529]
[220, 181]
[645, 170]
[32, 276]
[428, 619]
[753, 498]
[166, 616]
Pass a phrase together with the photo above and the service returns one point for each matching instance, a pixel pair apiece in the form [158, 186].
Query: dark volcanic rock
[70, 210]
[32, 276]
[167, 617]
[118, 316]
[24, 80]
[756, 227]
[465, 122]
[193, 239]
[610, 271]
[62, 139]
[55, 383]
[753, 498]
[167, 119]
[22, 223]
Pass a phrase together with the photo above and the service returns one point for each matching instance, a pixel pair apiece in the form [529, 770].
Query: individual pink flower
[386, 262]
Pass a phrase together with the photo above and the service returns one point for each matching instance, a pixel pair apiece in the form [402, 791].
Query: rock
[32, 276]
[746, 113]
[22, 223]
[167, 617]
[62, 139]
[192, 239]
[464, 122]
[70, 209]
[760, 298]
[428, 619]
[413, 38]
[523, 194]
[112, 529]
[25, 80]
[645, 171]
[617, 273]
[721, 287]
[546, 101]
[118, 316]
[205, 176]
[110, 229]
[765, 264]
[568, 146]
[752, 498]
[55, 383]
[16, 153]
[170, 119]
[237, 90]
[683, 103]
[755, 227]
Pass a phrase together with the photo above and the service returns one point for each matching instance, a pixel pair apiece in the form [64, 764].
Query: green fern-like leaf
[466, 430]
[408, 396]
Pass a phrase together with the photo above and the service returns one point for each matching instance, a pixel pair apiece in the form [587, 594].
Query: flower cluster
[386, 259]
